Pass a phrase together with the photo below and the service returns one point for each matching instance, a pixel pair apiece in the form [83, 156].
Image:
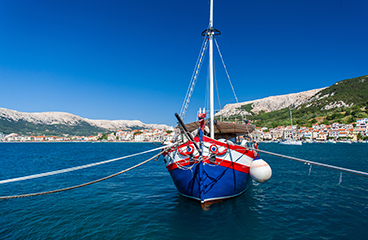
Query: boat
[205, 162]
[291, 141]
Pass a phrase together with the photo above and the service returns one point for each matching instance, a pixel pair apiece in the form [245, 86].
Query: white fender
[260, 171]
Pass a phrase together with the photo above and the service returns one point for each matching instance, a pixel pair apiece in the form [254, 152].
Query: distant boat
[205, 162]
[291, 141]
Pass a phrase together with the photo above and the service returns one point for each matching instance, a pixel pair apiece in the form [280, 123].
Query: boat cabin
[223, 130]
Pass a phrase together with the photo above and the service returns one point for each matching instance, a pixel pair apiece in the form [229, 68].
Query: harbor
[106, 133]
[297, 203]
[317, 133]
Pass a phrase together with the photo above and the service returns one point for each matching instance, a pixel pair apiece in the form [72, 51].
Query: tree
[351, 119]
[359, 136]
[330, 117]
[325, 122]
[103, 137]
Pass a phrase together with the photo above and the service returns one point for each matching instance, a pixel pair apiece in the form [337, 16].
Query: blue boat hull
[219, 171]
[209, 182]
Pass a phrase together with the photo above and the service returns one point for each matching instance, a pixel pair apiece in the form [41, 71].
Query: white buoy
[260, 171]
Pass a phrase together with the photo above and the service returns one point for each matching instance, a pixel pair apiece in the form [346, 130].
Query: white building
[139, 137]
[362, 120]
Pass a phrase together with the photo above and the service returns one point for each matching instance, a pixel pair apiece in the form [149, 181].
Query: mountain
[345, 93]
[268, 104]
[343, 102]
[57, 123]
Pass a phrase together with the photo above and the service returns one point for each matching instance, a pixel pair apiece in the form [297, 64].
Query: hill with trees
[343, 102]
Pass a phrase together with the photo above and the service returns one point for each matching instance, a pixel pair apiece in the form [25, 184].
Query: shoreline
[76, 142]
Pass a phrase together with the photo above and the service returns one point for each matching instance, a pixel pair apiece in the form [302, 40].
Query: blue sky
[133, 60]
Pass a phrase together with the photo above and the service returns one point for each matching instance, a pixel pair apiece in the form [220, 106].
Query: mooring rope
[81, 185]
[75, 168]
[341, 169]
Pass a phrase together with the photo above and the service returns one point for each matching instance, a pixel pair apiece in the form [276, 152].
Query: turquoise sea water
[144, 203]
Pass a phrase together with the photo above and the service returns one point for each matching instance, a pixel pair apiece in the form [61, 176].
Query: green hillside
[343, 102]
[350, 91]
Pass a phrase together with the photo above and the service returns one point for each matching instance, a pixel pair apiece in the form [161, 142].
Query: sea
[298, 202]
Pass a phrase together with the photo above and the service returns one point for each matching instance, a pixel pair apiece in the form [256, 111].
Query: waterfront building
[315, 134]
[276, 134]
[307, 135]
[362, 131]
[322, 136]
[333, 133]
[40, 138]
[111, 137]
[287, 133]
[267, 136]
[362, 120]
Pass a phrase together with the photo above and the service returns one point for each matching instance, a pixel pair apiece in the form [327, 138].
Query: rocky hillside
[63, 123]
[344, 102]
[268, 104]
[346, 99]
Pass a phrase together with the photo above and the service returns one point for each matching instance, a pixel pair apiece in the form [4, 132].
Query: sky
[133, 60]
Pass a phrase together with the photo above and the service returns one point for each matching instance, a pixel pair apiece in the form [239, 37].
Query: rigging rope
[218, 95]
[81, 185]
[75, 168]
[223, 63]
[193, 79]
[364, 174]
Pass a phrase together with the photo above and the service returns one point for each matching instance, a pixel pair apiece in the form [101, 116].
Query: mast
[210, 32]
[211, 72]
[291, 121]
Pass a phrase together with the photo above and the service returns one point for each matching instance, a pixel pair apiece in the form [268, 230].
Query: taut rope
[75, 168]
[81, 185]
[364, 174]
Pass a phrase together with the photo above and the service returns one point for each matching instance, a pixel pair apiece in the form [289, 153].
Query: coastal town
[334, 132]
[142, 135]
[318, 132]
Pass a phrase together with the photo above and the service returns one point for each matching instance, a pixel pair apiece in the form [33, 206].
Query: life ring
[186, 150]
[213, 149]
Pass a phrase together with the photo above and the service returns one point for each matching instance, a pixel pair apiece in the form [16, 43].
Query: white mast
[210, 35]
[291, 121]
